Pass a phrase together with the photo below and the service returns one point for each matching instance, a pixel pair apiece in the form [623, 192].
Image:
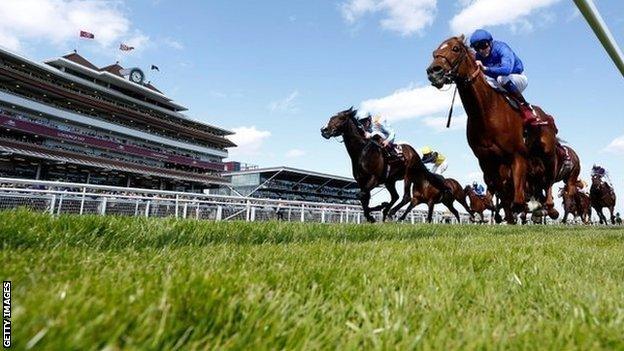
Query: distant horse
[424, 192]
[368, 163]
[602, 195]
[496, 134]
[578, 204]
[479, 204]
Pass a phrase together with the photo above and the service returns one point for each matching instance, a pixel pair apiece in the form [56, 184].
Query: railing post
[136, 208]
[176, 206]
[323, 215]
[412, 216]
[253, 214]
[103, 206]
[248, 211]
[302, 213]
[219, 214]
[185, 210]
[359, 218]
[147, 208]
[52, 204]
[341, 216]
[82, 201]
[58, 210]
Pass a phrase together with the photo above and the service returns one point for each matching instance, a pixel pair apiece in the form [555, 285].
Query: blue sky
[275, 71]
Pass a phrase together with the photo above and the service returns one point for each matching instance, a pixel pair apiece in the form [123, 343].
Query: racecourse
[97, 282]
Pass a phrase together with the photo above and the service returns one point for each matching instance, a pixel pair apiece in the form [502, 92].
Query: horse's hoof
[553, 214]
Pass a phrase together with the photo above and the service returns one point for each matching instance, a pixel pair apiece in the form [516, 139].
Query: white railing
[73, 198]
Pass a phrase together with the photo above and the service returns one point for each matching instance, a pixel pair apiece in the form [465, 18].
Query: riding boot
[529, 117]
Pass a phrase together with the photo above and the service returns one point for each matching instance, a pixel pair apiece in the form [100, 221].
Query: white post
[52, 204]
[136, 208]
[82, 201]
[253, 214]
[302, 213]
[103, 206]
[323, 215]
[197, 211]
[58, 210]
[412, 216]
[147, 208]
[219, 214]
[359, 218]
[248, 211]
[176, 206]
[184, 211]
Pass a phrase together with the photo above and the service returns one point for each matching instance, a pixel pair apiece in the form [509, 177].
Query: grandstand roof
[299, 175]
[74, 57]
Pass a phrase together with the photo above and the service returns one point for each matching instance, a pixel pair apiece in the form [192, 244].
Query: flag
[154, 67]
[84, 34]
[124, 47]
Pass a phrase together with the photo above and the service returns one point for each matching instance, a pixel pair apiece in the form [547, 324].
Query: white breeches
[520, 80]
[439, 169]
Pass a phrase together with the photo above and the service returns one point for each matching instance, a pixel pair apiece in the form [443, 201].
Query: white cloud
[483, 13]
[293, 153]
[439, 123]
[411, 102]
[172, 43]
[287, 104]
[249, 140]
[59, 21]
[616, 146]
[406, 17]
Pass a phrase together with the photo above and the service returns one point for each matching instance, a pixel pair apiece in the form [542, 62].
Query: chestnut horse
[370, 167]
[495, 133]
[479, 204]
[425, 192]
[602, 195]
[577, 203]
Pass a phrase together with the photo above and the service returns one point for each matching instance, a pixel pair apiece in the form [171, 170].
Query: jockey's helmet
[478, 36]
[425, 150]
[474, 184]
[377, 119]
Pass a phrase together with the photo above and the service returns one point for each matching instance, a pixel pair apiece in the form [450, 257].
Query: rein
[452, 75]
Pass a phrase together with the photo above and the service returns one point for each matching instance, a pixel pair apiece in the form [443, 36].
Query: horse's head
[449, 62]
[337, 123]
[596, 179]
[468, 189]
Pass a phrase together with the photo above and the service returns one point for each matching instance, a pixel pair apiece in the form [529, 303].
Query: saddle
[543, 119]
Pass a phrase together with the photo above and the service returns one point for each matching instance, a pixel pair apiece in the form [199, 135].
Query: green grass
[131, 283]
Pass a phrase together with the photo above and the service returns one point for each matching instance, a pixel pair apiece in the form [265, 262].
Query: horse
[479, 204]
[577, 203]
[495, 133]
[602, 195]
[368, 163]
[424, 192]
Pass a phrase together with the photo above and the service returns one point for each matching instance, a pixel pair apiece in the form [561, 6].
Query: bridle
[451, 75]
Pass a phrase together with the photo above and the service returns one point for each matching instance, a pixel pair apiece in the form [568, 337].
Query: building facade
[68, 120]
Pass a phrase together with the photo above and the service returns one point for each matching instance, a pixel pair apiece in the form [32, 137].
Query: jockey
[602, 173]
[376, 127]
[439, 161]
[478, 189]
[582, 186]
[502, 69]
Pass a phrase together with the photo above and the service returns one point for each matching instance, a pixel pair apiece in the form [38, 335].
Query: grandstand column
[128, 181]
[38, 174]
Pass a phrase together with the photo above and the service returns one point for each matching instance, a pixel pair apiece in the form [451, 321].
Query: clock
[137, 76]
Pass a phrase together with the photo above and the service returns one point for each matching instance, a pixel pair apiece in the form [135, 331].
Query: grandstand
[289, 184]
[68, 120]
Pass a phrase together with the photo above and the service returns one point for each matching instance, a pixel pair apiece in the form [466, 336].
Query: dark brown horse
[368, 161]
[425, 192]
[602, 195]
[495, 133]
[576, 203]
[479, 204]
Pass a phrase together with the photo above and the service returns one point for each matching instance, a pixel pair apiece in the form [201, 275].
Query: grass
[132, 283]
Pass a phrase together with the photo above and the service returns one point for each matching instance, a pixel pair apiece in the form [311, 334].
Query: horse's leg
[365, 197]
[611, 208]
[518, 172]
[430, 211]
[565, 216]
[449, 205]
[409, 209]
[394, 196]
[406, 198]
[550, 203]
